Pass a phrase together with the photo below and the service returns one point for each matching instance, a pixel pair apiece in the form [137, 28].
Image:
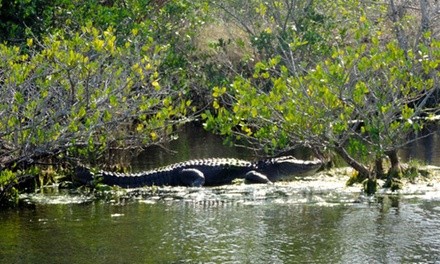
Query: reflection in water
[269, 224]
[188, 232]
[407, 234]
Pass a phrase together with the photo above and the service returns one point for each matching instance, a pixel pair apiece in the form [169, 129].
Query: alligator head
[285, 167]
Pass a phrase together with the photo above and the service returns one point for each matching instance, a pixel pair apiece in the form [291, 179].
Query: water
[297, 222]
[293, 229]
[193, 143]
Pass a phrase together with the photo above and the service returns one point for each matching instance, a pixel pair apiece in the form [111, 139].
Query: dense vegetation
[355, 79]
[80, 78]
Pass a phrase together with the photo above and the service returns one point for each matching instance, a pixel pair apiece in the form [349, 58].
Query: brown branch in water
[364, 172]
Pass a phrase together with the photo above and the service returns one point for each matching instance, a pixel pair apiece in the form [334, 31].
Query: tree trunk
[395, 172]
[364, 172]
[380, 171]
[396, 13]
[394, 159]
[425, 19]
[367, 177]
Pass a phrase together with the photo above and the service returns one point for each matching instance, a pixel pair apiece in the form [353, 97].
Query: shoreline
[420, 185]
[326, 188]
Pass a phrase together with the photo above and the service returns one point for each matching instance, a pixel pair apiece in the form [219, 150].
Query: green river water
[256, 226]
[281, 223]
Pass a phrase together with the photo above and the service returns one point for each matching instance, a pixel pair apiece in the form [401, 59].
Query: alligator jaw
[288, 167]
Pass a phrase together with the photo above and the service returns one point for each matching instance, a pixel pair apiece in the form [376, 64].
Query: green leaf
[19, 98]
[113, 100]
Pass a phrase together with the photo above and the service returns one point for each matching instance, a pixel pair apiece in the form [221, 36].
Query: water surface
[281, 223]
[241, 225]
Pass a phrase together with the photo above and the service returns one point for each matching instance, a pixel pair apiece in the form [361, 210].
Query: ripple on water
[235, 224]
[42, 198]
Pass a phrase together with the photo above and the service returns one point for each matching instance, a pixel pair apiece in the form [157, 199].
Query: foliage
[86, 91]
[7, 190]
[362, 99]
[22, 18]
[89, 76]
[171, 23]
[81, 77]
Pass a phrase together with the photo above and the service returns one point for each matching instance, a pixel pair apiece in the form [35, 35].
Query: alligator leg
[256, 177]
[84, 175]
[192, 177]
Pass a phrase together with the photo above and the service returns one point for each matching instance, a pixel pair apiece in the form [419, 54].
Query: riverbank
[326, 187]
[426, 182]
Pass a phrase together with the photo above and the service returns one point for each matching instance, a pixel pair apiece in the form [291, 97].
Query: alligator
[206, 172]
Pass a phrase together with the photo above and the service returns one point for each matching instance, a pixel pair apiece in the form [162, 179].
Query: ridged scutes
[212, 162]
